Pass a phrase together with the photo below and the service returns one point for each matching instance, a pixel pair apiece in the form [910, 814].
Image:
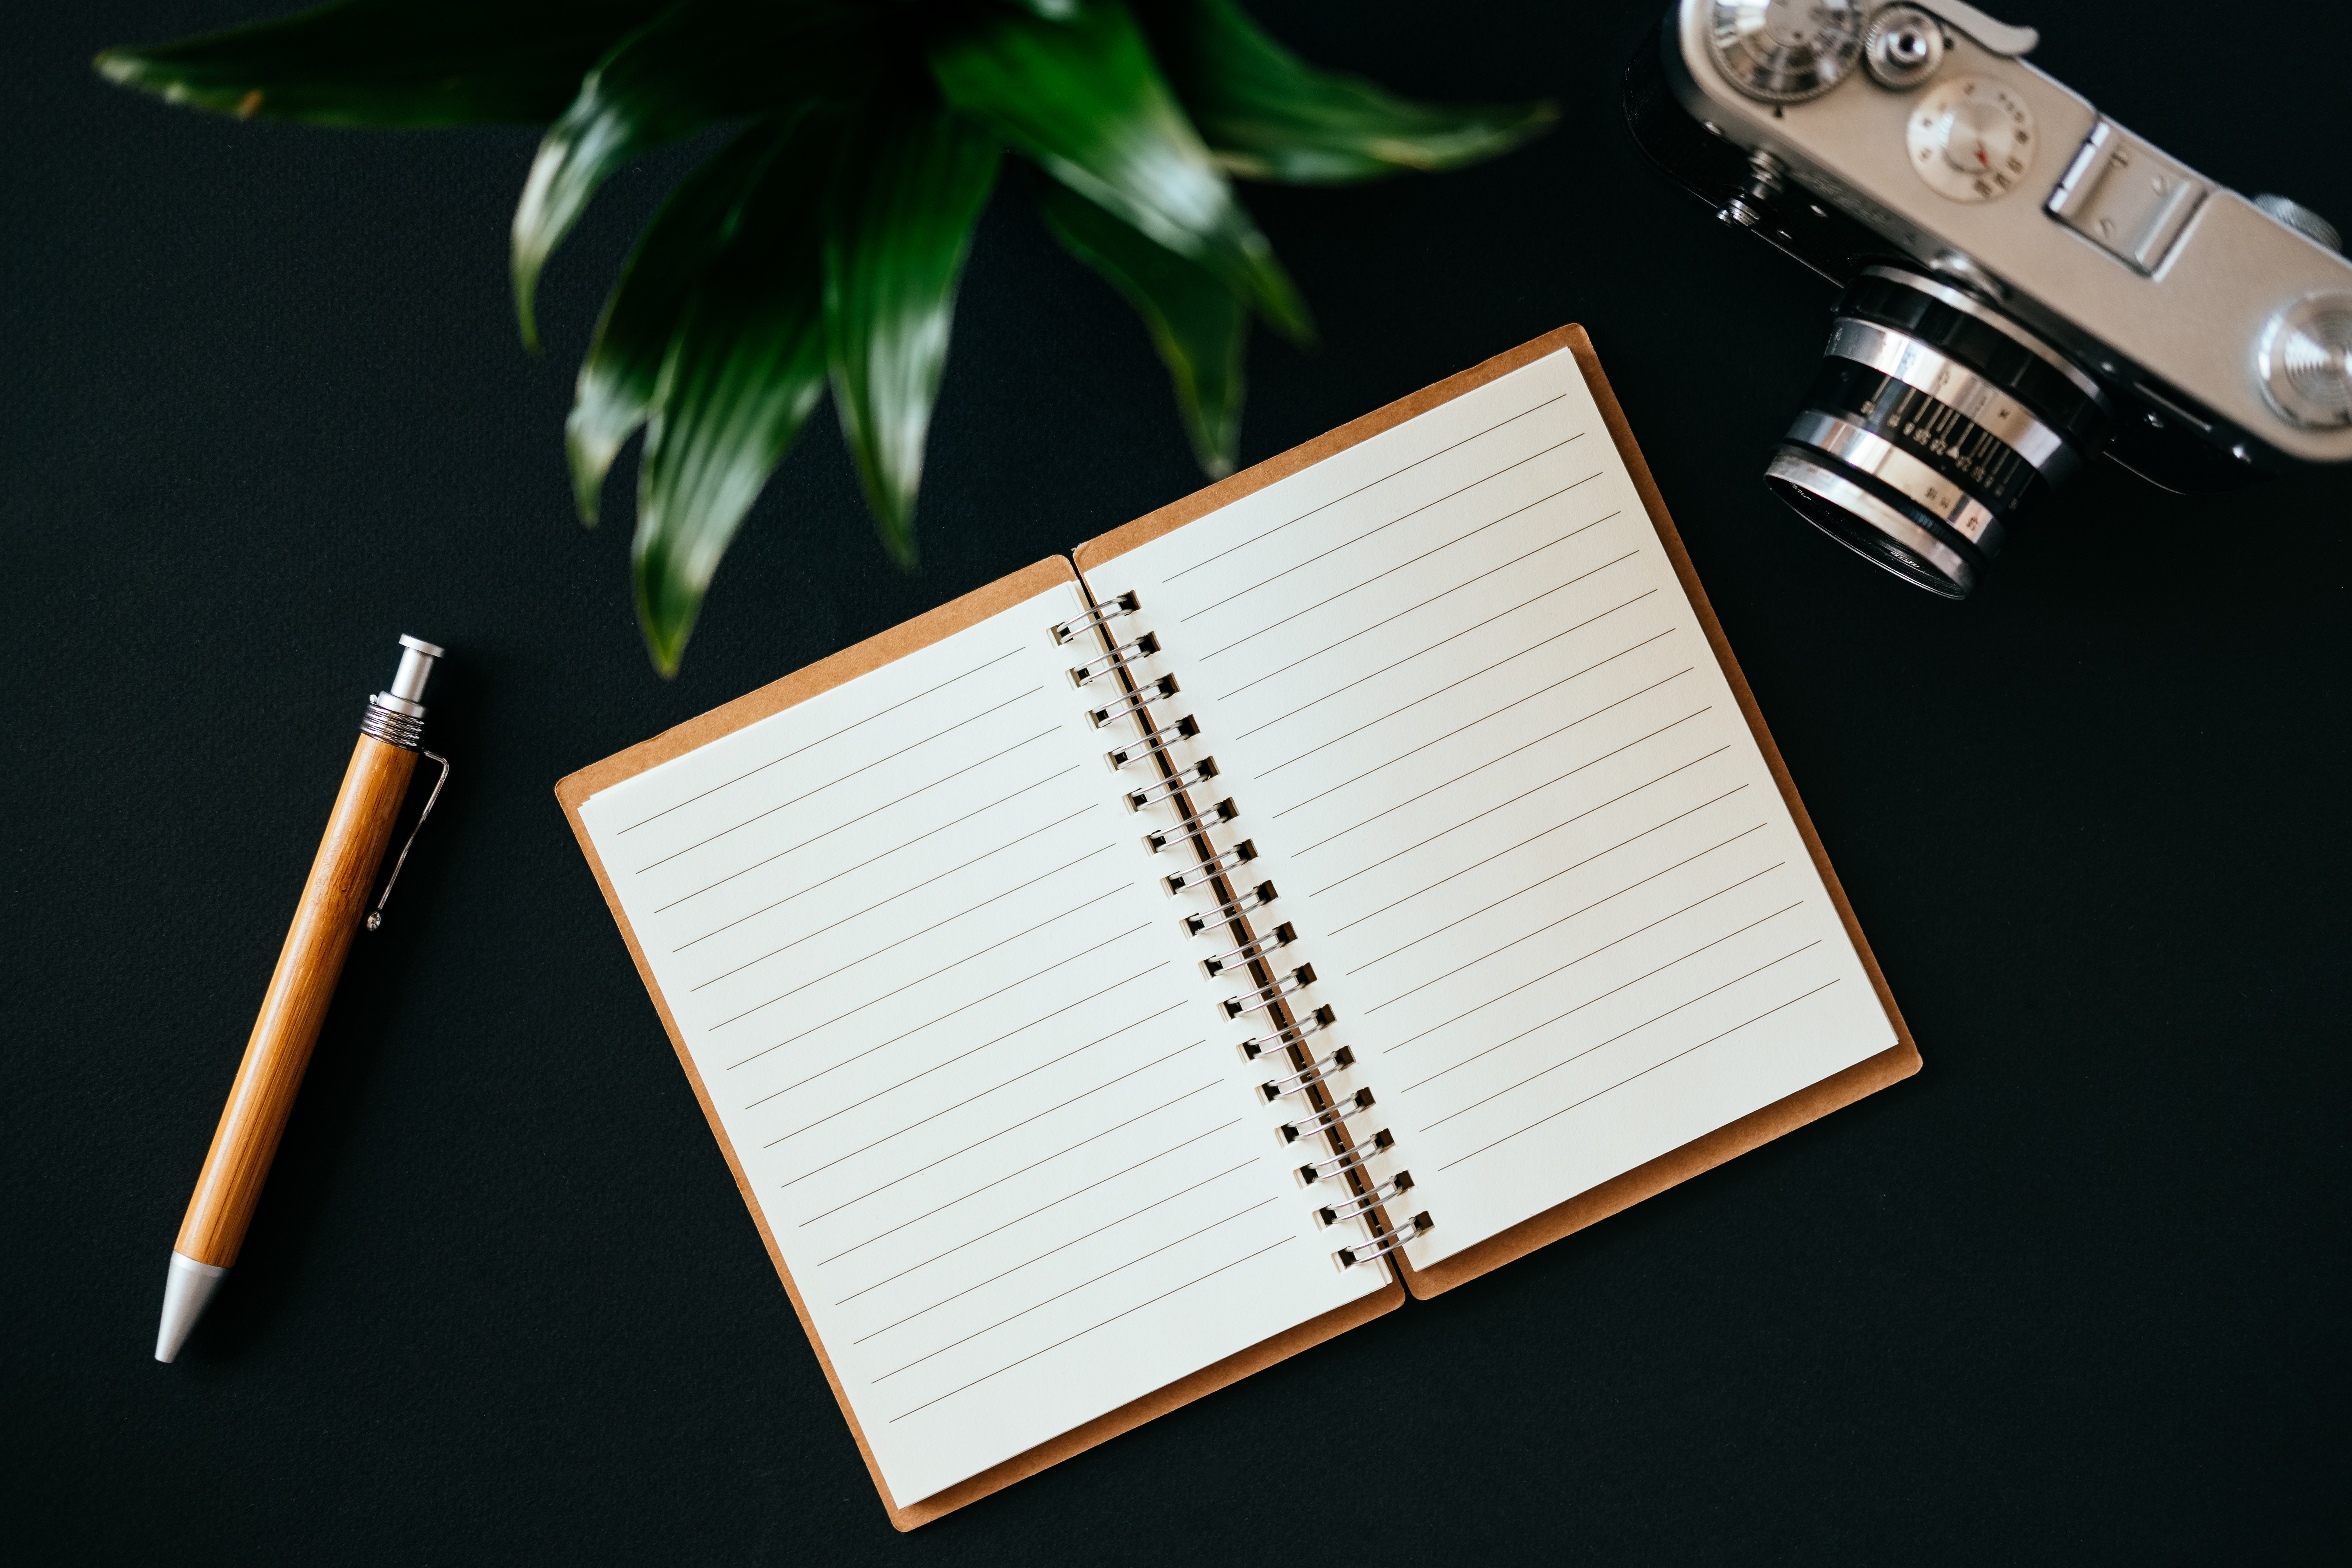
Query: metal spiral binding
[1133, 703]
[1324, 1120]
[1257, 947]
[1173, 785]
[1305, 1077]
[1326, 1110]
[1093, 619]
[1266, 996]
[1241, 854]
[1113, 661]
[1199, 822]
[1159, 739]
[1382, 1246]
[1396, 1186]
[1348, 1160]
[1232, 910]
[1315, 1023]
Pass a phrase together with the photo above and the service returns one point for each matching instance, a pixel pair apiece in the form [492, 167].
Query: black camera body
[2028, 285]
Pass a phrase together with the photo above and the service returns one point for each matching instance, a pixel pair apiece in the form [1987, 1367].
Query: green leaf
[401, 63]
[908, 188]
[1200, 326]
[744, 369]
[1085, 100]
[1270, 116]
[700, 62]
[615, 389]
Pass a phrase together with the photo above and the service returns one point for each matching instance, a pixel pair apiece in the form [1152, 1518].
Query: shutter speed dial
[1971, 140]
[1785, 51]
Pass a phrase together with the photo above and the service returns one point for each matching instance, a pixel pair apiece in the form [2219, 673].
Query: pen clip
[375, 915]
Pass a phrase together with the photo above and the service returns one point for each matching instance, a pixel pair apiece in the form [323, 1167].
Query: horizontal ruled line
[1054, 1011]
[1056, 1059]
[1554, 827]
[1588, 811]
[922, 979]
[1073, 1290]
[1023, 1171]
[1473, 675]
[1627, 985]
[902, 800]
[820, 741]
[1088, 1186]
[1563, 871]
[1368, 631]
[898, 942]
[1116, 1078]
[1636, 1028]
[1540, 739]
[917, 888]
[1331, 599]
[944, 1018]
[1064, 1247]
[1643, 1073]
[1082, 1333]
[1473, 723]
[1571, 964]
[885, 854]
[1368, 484]
[1383, 528]
[1433, 648]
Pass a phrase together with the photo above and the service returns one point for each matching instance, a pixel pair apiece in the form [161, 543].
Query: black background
[2068, 1295]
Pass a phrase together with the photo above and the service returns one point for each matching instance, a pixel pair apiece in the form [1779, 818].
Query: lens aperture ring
[1905, 359]
[2004, 355]
[1928, 428]
[1957, 516]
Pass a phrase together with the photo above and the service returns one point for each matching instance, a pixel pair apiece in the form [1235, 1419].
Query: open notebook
[1348, 878]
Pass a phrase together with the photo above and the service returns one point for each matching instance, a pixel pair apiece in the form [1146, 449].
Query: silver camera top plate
[2128, 258]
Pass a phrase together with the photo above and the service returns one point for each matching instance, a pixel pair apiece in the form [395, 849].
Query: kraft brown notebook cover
[1098, 984]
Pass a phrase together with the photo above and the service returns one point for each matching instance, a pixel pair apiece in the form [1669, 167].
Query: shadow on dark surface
[2068, 1295]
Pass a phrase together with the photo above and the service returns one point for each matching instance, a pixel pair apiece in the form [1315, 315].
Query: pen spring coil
[393, 727]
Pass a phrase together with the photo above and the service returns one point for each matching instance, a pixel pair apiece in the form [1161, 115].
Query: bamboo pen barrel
[301, 991]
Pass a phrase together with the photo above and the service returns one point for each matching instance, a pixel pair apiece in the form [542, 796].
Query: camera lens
[1934, 421]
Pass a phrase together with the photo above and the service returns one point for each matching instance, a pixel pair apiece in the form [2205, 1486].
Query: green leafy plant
[822, 244]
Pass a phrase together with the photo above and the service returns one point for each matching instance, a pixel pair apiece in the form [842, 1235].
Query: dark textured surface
[2069, 1295]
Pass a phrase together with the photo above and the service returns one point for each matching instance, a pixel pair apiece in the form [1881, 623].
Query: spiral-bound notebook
[1344, 880]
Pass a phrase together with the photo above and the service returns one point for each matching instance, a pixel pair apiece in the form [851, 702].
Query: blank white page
[961, 1049]
[1529, 844]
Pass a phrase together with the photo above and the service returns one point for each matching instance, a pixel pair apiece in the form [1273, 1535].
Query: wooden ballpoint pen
[295, 1005]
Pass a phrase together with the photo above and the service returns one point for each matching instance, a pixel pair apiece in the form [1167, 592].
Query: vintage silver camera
[2028, 285]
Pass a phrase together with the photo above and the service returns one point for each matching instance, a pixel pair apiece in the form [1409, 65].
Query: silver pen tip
[187, 1290]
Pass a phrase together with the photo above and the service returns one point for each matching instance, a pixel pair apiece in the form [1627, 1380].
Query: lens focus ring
[2007, 356]
[1953, 385]
[1917, 482]
[1928, 428]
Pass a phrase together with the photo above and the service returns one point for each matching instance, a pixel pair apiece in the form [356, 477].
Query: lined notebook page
[1529, 844]
[952, 1032]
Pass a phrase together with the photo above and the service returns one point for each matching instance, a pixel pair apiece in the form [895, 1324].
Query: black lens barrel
[1933, 422]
